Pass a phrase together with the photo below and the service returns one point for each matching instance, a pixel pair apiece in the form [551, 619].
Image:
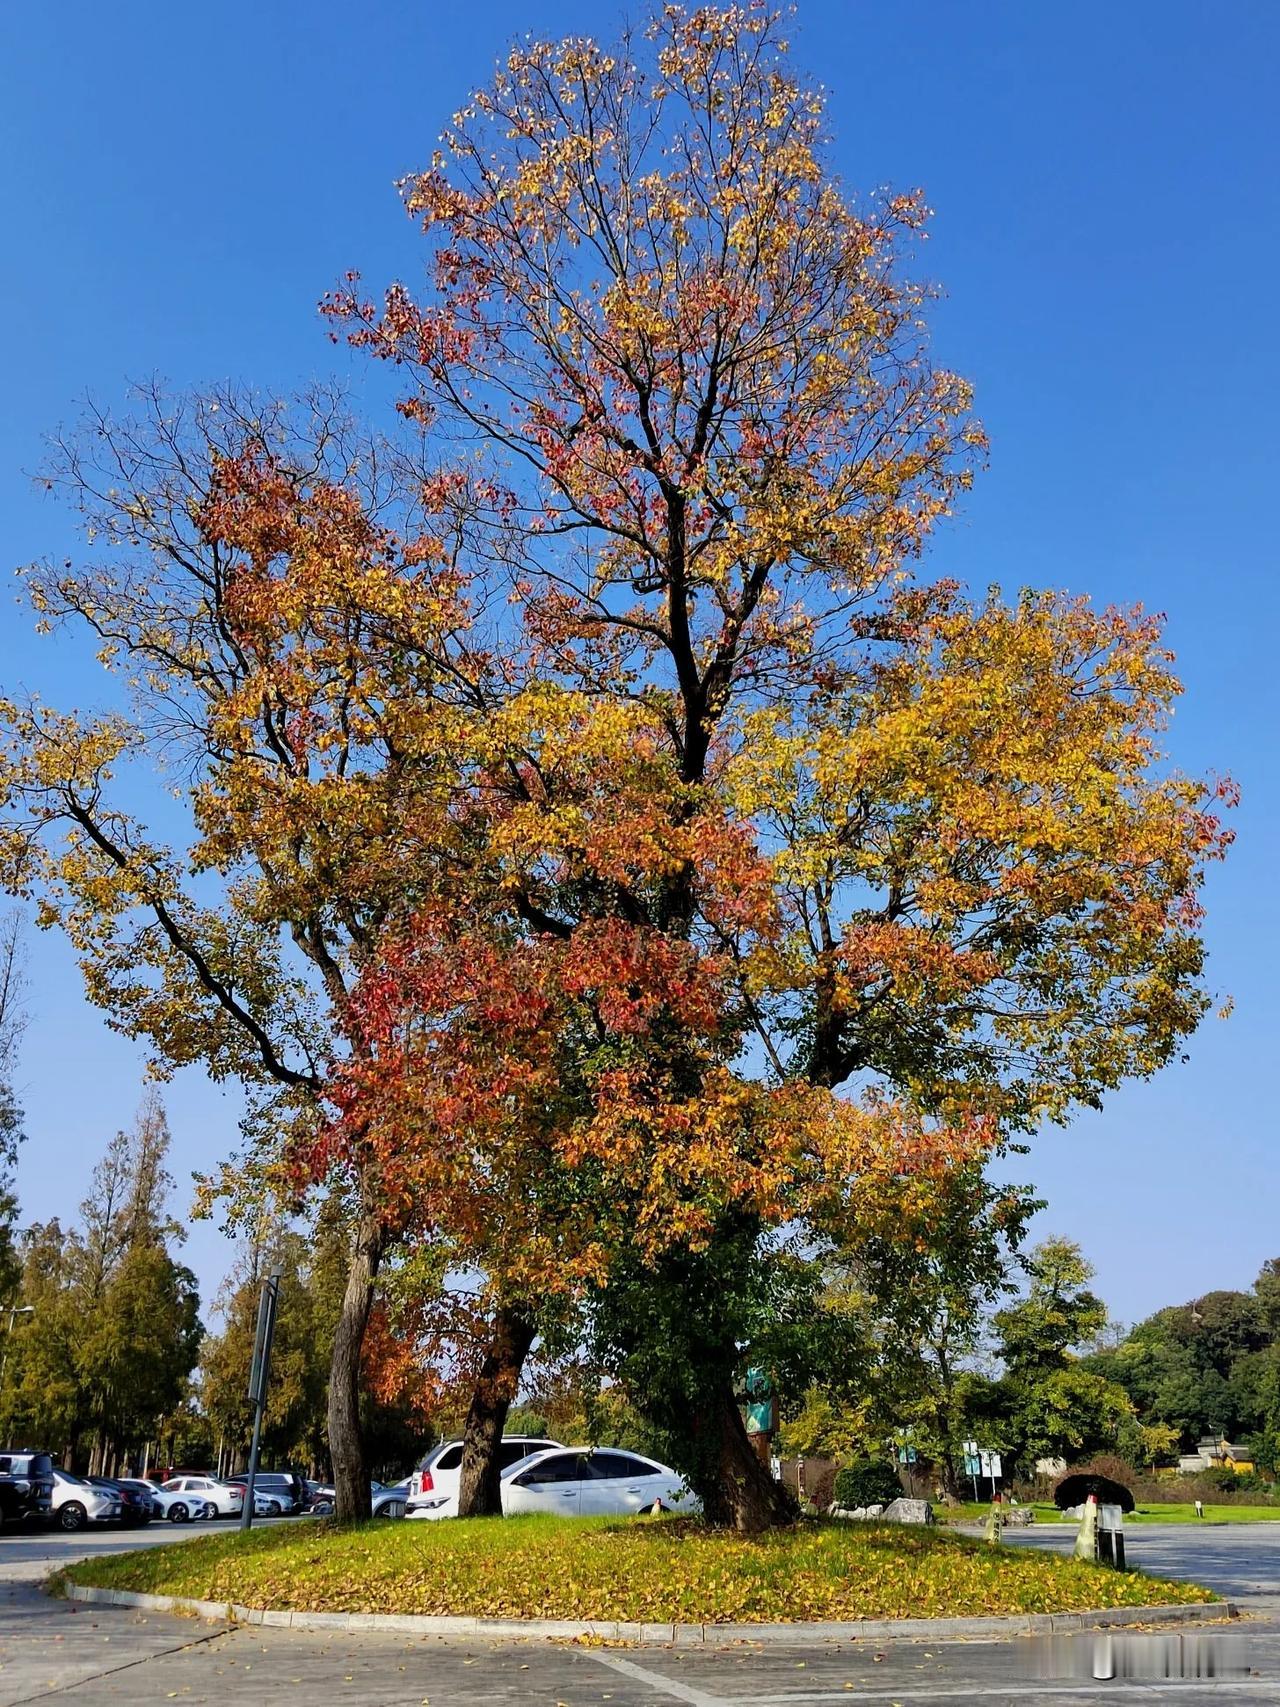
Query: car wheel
[178, 1513]
[274, 1508]
[390, 1508]
[72, 1515]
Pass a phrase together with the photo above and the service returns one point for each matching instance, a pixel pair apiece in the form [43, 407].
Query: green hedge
[867, 1481]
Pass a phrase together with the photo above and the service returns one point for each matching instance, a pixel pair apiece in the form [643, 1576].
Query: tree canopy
[610, 856]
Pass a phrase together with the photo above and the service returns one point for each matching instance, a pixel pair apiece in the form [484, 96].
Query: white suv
[433, 1487]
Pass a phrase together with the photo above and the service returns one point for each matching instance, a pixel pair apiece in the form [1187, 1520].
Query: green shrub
[1221, 1479]
[1250, 1482]
[867, 1481]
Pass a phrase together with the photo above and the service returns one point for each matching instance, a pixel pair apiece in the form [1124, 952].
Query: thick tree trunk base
[744, 1495]
[346, 1446]
[480, 1485]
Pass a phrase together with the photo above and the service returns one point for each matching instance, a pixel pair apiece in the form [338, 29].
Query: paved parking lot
[1240, 1560]
[50, 1650]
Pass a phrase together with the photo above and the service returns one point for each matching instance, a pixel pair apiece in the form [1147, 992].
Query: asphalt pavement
[51, 1650]
[1239, 1560]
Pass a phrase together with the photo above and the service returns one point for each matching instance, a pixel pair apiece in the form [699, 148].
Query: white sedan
[173, 1502]
[581, 1481]
[200, 1496]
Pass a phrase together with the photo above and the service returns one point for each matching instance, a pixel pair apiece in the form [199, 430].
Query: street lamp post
[259, 1375]
[15, 1310]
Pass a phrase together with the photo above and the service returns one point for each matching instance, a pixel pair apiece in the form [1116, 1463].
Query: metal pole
[259, 1375]
[246, 1515]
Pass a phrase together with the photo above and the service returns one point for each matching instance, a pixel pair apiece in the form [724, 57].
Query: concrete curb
[655, 1635]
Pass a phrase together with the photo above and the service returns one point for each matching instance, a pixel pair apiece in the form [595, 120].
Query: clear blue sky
[181, 184]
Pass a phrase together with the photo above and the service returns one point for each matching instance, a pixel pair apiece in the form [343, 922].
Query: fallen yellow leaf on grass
[666, 1572]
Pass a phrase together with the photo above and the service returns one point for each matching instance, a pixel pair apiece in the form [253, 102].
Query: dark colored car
[145, 1488]
[135, 1506]
[320, 1498]
[26, 1487]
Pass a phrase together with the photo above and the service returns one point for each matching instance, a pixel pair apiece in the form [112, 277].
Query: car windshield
[76, 1481]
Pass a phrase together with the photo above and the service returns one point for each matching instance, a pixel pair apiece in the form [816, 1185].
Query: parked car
[26, 1487]
[434, 1484]
[283, 1492]
[147, 1490]
[385, 1500]
[174, 1504]
[581, 1481]
[594, 1481]
[135, 1507]
[392, 1501]
[203, 1496]
[320, 1498]
[75, 1502]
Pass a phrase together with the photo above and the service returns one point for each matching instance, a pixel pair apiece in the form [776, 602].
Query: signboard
[759, 1409]
[981, 1460]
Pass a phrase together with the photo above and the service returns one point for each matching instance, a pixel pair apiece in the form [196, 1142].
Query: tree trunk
[346, 1445]
[950, 1481]
[744, 1495]
[480, 1488]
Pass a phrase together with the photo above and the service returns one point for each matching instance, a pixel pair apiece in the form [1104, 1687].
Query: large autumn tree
[608, 856]
[696, 372]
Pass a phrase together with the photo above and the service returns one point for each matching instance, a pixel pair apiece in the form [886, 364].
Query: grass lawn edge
[663, 1635]
[592, 1576]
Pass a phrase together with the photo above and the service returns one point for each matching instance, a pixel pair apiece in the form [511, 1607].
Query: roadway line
[1083, 1689]
[655, 1680]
